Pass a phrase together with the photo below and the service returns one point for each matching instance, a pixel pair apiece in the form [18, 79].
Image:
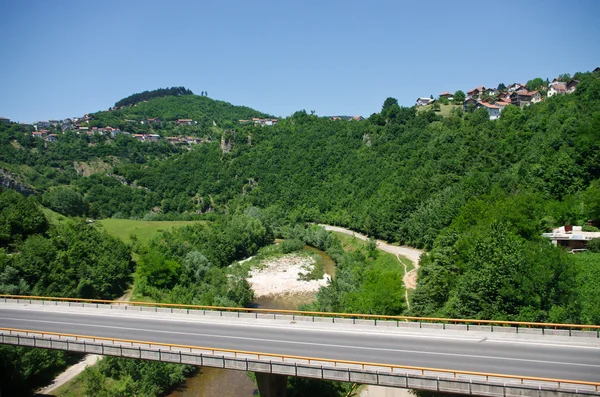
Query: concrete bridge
[458, 356]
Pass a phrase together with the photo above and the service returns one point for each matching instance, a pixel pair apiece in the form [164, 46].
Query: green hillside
[200, 109]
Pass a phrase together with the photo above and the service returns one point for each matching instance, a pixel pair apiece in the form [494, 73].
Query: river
[210, 381]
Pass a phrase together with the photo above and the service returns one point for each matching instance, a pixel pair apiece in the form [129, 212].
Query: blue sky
[65, 58]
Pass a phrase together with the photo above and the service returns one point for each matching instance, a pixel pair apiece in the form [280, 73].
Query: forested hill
[147, 95]
[476, 193]
[201, 109]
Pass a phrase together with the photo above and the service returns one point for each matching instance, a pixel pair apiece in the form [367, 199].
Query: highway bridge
[460, 356]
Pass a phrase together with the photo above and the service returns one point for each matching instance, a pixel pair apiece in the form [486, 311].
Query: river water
[210, 381]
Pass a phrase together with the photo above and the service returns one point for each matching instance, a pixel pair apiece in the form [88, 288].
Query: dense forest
[147, 95]
[475, 194]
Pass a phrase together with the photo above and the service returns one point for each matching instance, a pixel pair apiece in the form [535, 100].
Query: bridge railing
[444, 323]
[342, 370]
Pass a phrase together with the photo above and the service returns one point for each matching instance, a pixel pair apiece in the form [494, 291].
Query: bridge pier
[271, 385]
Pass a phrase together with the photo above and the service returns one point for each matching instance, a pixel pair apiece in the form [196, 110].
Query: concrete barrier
[62, 345]
[309, 372]
[586, 334]
[490, 389]
[360, 321]
[392, 380]
[259, 366]
[343, 320]
[432, 325]
[459, 327]
[457, 386]
[408, 324]
[387, 323]
[481, 328]
[150, 355]
[531, 331]
[191, 359]
[506, 330]
[336, 374]
[562, 332]
[237, 364]
[283, 369]
[230, 314]
[369, 377]
[296, 318]
[93, 349]
[43, 343]
[130, 352]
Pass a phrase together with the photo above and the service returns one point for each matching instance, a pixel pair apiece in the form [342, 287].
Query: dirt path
[412, 254]
[76, 369]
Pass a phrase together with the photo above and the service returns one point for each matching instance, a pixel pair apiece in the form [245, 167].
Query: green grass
[54, 217]
[73, 388]
[383, 261]
[444, 109]
[144, 230]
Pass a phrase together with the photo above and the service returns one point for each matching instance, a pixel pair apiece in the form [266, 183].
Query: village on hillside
[494, 100]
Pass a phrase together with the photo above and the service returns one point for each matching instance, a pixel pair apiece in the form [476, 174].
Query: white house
[557, 87]
[424, 101]
[493, 110]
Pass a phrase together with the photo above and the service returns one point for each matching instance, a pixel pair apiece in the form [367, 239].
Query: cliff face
[10, 181]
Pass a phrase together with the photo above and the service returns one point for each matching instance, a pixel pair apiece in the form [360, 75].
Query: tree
[564, 77]
[459, 97]
[66, 201]
[535, 84]
[501, 87]
[388, 103]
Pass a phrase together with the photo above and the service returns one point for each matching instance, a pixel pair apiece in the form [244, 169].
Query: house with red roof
[448, 95]
[493, 110]
[525, 98]
[557, 88]
[475, 92]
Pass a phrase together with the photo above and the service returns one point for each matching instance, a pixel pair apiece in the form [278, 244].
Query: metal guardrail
[290, 360]
[503, 323]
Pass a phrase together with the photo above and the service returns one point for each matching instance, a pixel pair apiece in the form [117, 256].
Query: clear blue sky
[65, 58]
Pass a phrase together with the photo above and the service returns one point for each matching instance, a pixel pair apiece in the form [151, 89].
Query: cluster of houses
[80, 126]
[113, 132]
[494, 100]
[353, 118]
[260, 122]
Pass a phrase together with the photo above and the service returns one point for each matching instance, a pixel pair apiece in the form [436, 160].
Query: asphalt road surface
[561, 358]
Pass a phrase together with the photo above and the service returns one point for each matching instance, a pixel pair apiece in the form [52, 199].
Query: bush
[291, 245]
[594, 245]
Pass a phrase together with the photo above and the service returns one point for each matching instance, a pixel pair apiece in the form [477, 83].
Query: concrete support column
[271, 385]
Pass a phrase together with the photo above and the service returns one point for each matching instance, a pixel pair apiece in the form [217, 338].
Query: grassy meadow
[144, 230]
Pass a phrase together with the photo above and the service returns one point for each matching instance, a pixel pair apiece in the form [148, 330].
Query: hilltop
[162, 113]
